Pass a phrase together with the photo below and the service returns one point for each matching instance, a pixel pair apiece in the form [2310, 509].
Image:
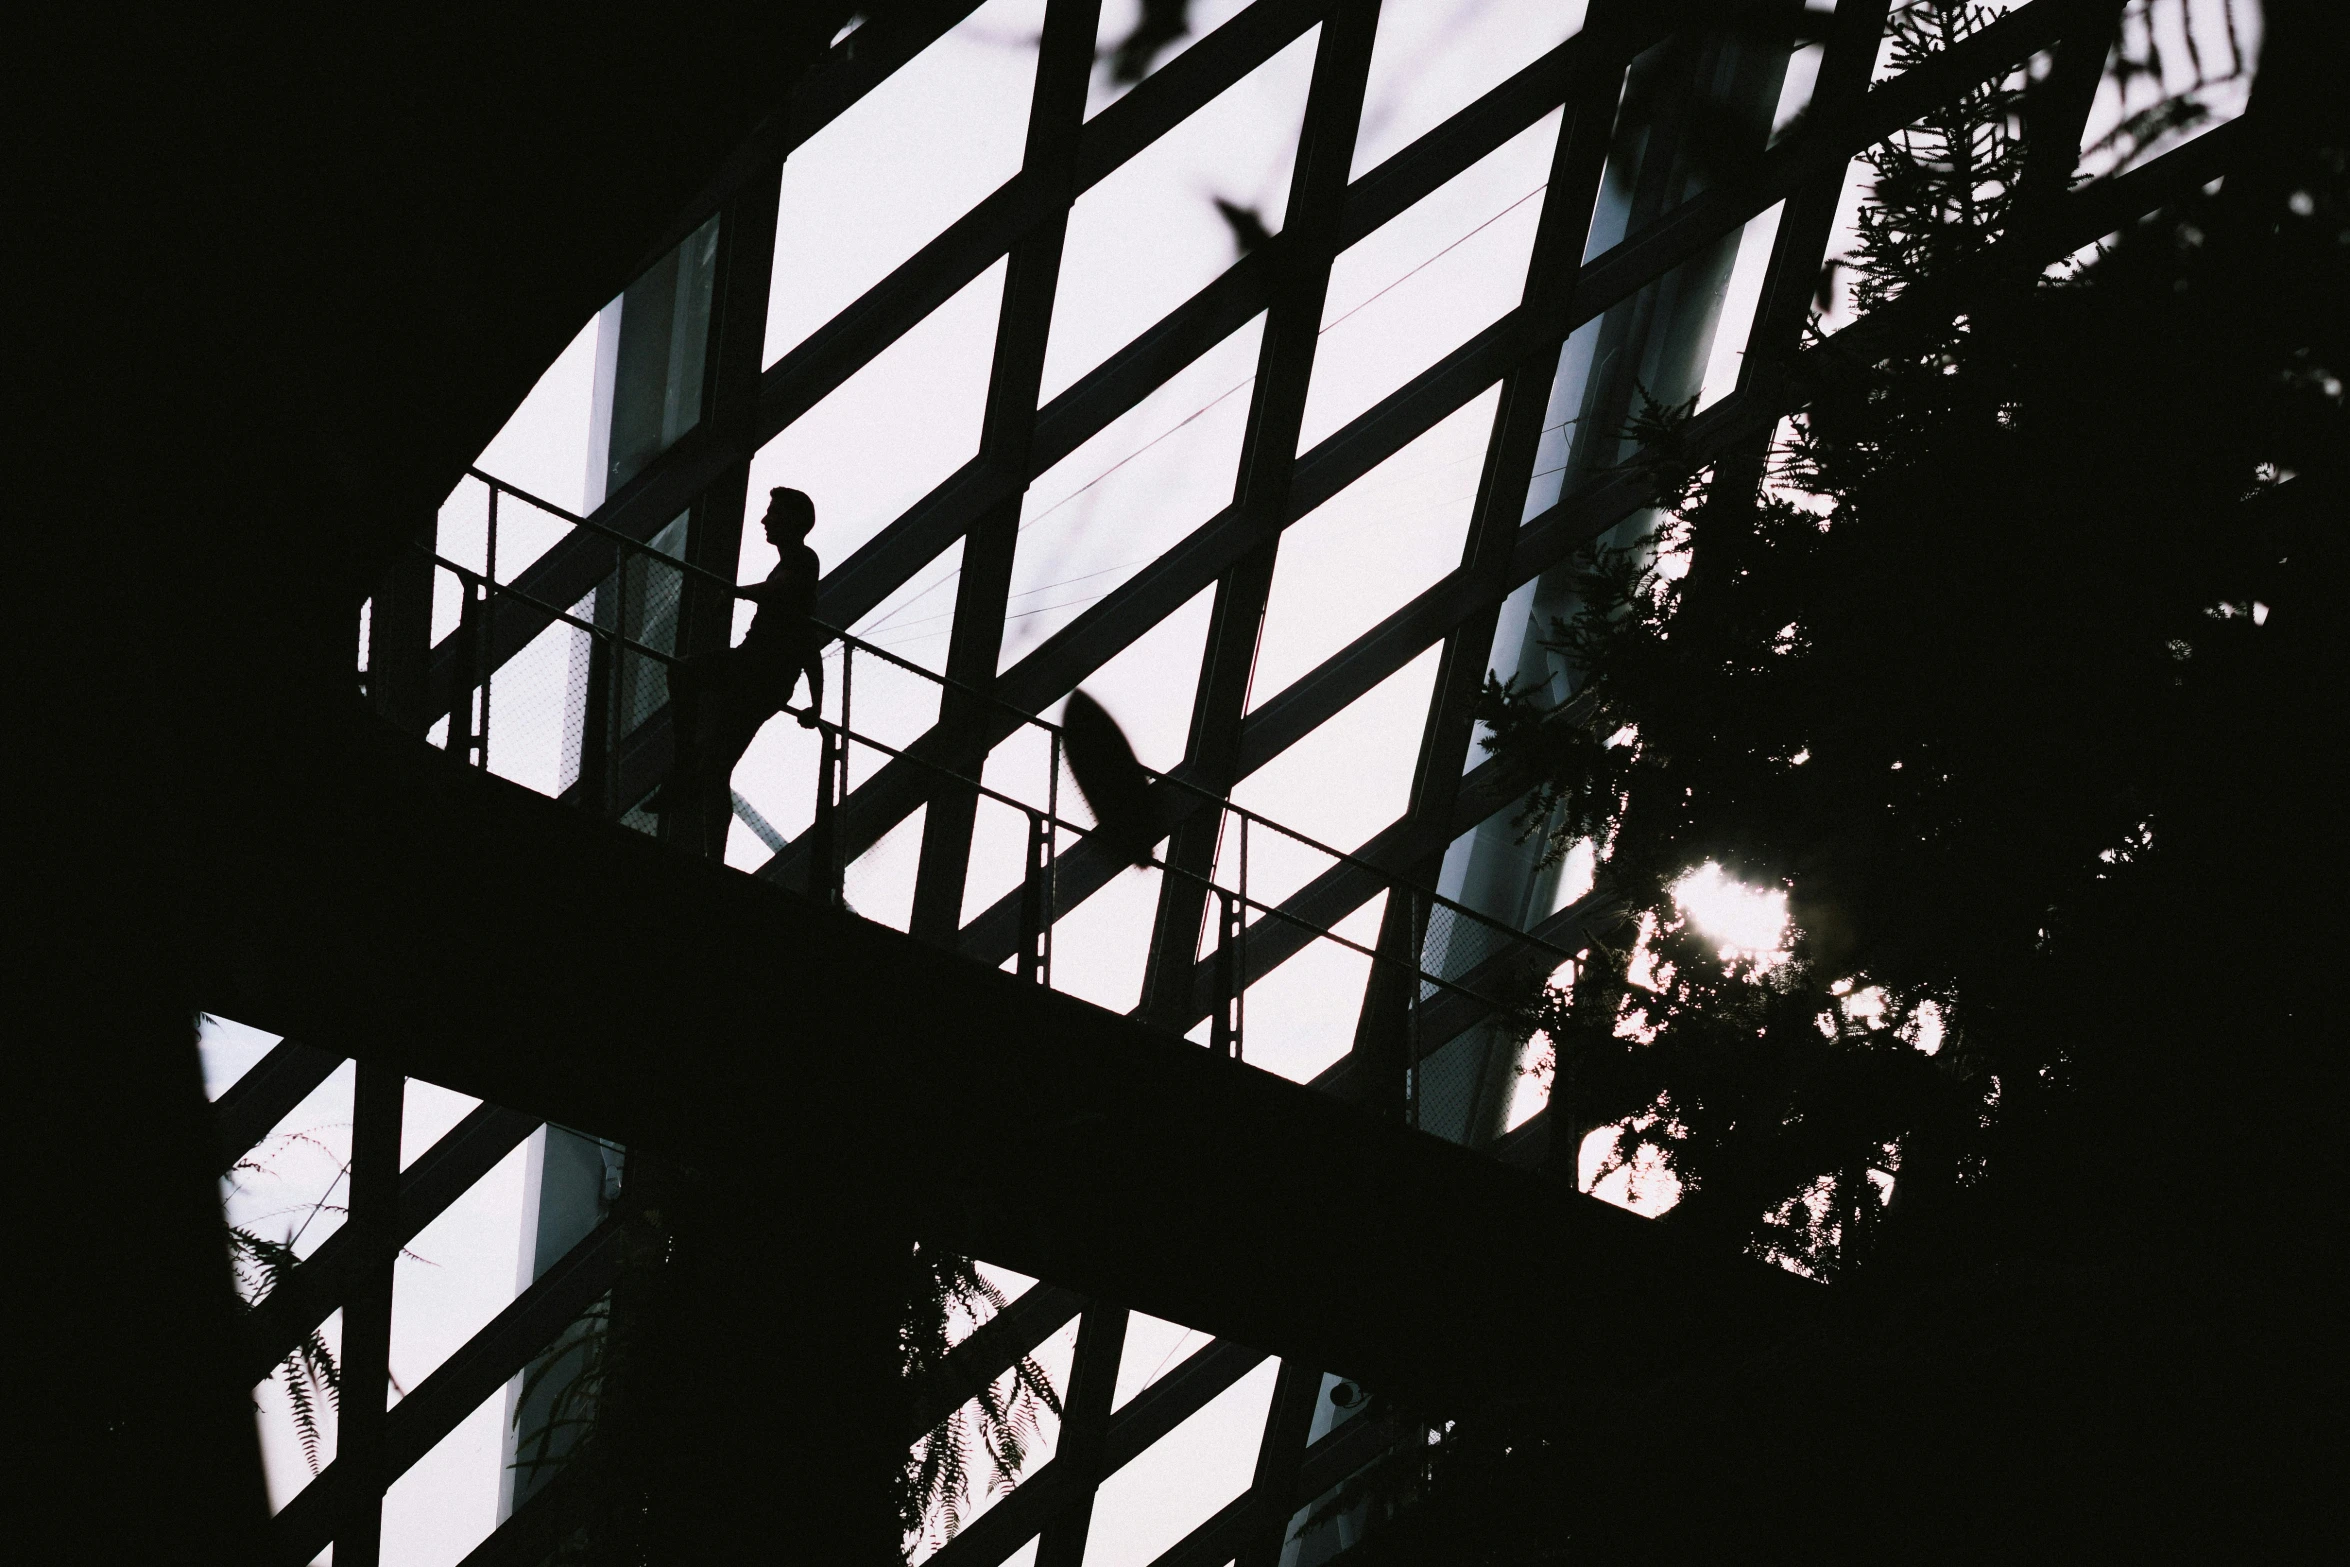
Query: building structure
[528, 955]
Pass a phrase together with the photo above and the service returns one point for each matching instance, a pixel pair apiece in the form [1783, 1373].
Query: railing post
[1052, 850]
[1224, 1031]
[1417, 978]
[484, 668]
[616, 687]
[824, 867]
[1239, 939]
[459, 741]
[1034, 920]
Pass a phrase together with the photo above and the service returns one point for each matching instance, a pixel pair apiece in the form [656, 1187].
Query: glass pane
[1125, 497]
[886, 436]
[1435, 57]
[1372, 548]
[1427, 282]
[906, 160]
[1153, 234]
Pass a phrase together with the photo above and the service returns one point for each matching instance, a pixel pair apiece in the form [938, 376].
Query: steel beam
[1083, 1442]
[1578, 160]
[325, 1280]
[364, 1379]
[266, 1095]
[1261, 498]
[490, 1359]
[993, 1348]
[714, 534]
[1056, 117]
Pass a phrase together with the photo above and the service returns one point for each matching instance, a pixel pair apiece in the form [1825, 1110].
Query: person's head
[790, 514]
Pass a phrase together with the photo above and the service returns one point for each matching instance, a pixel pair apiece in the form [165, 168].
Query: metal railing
[1048, 830]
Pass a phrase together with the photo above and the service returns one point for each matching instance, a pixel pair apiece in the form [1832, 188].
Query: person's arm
[783, 583]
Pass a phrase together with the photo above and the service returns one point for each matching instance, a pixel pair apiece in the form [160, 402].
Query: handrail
[1040, 902]
[948, 682]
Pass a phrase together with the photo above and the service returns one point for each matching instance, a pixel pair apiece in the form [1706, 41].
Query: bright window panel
[1125, 497]
[447, 1502]
[1054, 1355]
[1100, 947]
[888, 434]
[1342, 783]
[1428, 281]
[228, 1050]
[909, 158]
[543, 447]
[285, 1469]
[533, 729]
[1372, 548]
[1301, 1017]
[457, 1274]
[1021, 767]
[428, 1112]
[1184, 1479]
[915, 622]
[2205, 50]
[879, 883]
[1154, 1347]
[1435, 57]
[1149, 687]
[1742, 295]
[1151, 235]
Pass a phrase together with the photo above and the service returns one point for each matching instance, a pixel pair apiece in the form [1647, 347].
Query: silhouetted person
[718, 701]
[1116, 788]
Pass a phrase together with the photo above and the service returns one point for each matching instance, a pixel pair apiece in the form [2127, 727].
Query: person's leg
[812, 665]
[732, 722]
[689, 682]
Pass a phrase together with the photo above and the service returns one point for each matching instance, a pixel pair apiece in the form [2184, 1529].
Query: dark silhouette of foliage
[986, 1442]
[594, 1428]
[1936, 684]
[313, 1379]
[2016, 679]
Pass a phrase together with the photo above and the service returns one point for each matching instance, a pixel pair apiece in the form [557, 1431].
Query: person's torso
[780, 628]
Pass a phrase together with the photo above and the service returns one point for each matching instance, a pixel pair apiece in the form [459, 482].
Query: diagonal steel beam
[1145, 1418]
[437, 1178]
[266, 1095]
[486, 1363]
[1578, 162]
[1056, 118]
[993, 1348]
[1262, 494]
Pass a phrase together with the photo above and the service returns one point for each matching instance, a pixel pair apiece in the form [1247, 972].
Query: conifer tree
[1932, 684]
